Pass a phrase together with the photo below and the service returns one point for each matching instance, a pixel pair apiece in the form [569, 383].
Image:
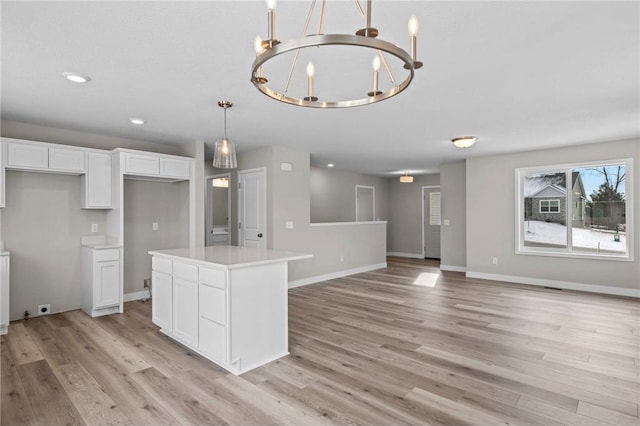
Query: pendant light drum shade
[224, 152]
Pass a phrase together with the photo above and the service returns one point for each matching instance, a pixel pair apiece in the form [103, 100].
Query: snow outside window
[576, 210]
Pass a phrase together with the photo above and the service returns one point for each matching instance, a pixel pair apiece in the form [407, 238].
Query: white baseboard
[334, 275]
[411, 255]
[453, 268]
[128, 297]
[567, 285]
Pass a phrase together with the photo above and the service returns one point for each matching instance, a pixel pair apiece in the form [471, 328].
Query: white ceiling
[520, 75]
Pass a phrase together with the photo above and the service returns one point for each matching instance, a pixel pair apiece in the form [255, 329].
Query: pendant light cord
[225, 122]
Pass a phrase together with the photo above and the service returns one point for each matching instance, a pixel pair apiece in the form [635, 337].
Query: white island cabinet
[226, 303]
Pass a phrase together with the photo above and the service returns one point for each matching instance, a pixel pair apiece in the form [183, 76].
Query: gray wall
[491, 218]
[453, 237]
[404, 233]
[42, 226]
[333, 195]
[144, 203]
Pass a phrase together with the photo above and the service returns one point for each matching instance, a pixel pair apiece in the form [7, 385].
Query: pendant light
[224, 153]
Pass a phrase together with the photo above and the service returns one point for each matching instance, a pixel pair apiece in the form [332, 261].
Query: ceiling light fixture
[330, 165]
[224, 153]
[363, 38]
[464, 141]
[406, 178]
[137, 121]
[76, 77]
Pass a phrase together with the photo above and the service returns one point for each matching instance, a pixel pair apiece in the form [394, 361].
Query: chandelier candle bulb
[413, 32]
[376, 74]
[311, 71]
[271, 15]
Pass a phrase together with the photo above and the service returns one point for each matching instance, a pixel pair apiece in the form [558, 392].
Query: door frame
[240, 206]
[373, 188]
[423, 199]
[207, 196]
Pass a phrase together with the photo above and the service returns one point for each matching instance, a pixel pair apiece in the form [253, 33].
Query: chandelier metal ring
[319, 40]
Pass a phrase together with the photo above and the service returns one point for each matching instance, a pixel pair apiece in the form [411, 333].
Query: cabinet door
[185, 311]
[26, 156]
[175, 167]
[141, 164]
[97, 182]
[162, 300]
[1, 174]
[106, 281]
[66, 160]
[4, 294]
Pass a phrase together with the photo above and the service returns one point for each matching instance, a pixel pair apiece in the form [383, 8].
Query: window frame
[557, 202]
[522, 172]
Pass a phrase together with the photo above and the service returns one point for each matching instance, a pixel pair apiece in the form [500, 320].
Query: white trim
[567, 285]
[138, 295]
[401, 254]
[333, 275]
[346, 223]
[424, 252]
[548, 201]
[452, 268]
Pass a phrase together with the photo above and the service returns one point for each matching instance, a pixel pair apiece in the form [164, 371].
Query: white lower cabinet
[185, 317]
[4, 293]
[101, 284]
[162, 292]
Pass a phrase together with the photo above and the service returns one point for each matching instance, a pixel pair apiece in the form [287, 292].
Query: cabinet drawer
[135, 164]
[161, 265]
[214, 277]
[173, 167]
[28, 156]
[106, 255]
[185, 271]
[212, 304]
[212, 340]
[67, 160]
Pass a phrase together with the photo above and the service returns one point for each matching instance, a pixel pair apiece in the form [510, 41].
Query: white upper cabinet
[141, 164]
[27, 156]
[175, 167]
[66, 160]
[96, 183]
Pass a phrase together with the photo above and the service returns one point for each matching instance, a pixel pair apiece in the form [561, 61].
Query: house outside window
[575, 210]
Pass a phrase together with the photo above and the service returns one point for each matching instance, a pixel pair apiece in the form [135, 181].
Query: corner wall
[491, 219]
[453, 237]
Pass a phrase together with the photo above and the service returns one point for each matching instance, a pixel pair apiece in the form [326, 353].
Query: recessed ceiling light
[137, 121]
[464, 141]
[76, 77]
[330, 165]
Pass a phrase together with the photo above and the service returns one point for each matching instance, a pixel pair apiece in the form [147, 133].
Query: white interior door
[365, 203]
[431, 222]
[252, 199]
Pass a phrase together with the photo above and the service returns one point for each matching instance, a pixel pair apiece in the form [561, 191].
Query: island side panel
[258, 314]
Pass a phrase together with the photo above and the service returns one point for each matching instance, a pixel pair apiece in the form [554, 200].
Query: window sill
[575, 255]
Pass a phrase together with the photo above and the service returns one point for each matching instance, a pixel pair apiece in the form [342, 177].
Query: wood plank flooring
[405, 345]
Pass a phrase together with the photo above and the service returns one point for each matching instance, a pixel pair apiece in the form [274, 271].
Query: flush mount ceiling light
[464, 141]
[220, 182]
[137, 121]
[406, 178]
[224, 153]
[364, 38]
[76, 77]
[330, 165]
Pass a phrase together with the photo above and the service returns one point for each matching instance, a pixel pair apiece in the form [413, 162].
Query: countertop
[101, 246]
[230, 257]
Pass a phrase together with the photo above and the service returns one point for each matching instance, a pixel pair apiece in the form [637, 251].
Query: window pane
[545, 210]
[599, 220]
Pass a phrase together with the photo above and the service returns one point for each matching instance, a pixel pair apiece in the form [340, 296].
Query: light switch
[286, 167]
[94, 227]
[155, 226]
[288, 224]
[446, 222]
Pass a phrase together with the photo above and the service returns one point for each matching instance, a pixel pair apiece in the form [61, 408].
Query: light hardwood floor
[402, 345]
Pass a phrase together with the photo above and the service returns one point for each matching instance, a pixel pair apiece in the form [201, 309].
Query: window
[576, 210]
[549, 206]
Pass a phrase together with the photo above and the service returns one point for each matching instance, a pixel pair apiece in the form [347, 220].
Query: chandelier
[364, 38]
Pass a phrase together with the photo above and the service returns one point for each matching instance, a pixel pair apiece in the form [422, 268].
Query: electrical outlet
[495, 260]
[341, 258]
[288, 224]
[154, 226]
[94, 227]
[44, 309]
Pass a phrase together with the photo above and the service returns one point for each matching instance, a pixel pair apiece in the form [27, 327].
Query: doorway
[431, 220]
[252, 208]
[365, 203]
[218, 210]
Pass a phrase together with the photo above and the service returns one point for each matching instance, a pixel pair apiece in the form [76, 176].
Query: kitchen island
[227, 303]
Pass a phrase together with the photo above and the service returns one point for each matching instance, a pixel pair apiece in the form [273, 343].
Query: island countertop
[230, 257]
